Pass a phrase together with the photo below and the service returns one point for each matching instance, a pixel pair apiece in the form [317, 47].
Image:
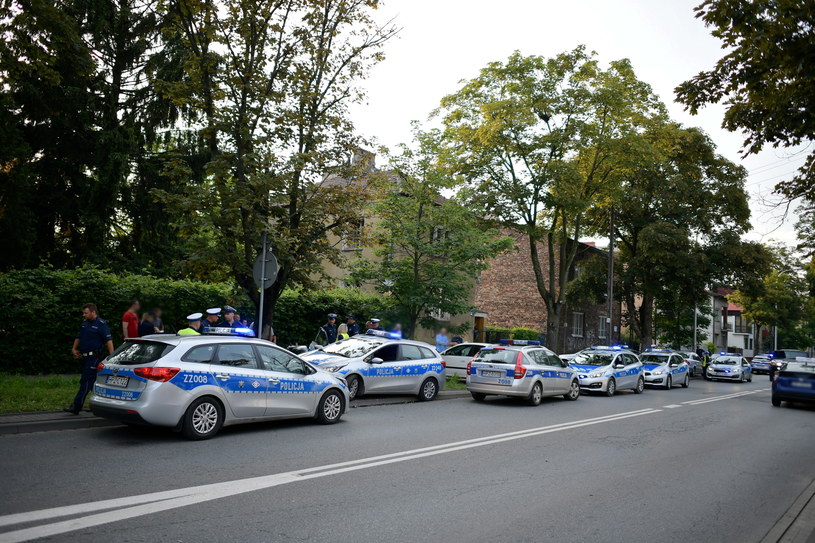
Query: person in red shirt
[130, 321]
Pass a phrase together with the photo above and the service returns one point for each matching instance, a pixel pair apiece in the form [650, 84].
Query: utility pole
[695, 346]
[262, 287]
[611, 276]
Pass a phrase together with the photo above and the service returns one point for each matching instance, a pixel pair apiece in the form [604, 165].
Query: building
[729, 331]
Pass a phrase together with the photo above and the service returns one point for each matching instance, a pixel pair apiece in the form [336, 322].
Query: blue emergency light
[227, 331]
[383, 333]
[518, 342]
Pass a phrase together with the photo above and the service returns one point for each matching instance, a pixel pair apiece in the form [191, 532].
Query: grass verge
[455, 382]
[22, 393]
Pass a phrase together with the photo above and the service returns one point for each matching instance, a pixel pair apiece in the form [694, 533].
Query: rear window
[497, 356]
[798, 367]
[133, 353]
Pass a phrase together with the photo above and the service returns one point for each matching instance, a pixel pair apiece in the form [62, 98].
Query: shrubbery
[494, 333]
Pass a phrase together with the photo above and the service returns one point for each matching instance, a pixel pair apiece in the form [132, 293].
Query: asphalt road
[714, 462]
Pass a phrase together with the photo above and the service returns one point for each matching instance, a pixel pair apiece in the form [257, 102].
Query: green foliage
[430, 249]
[498, 332]
[302, 312]
[48, 303]
[21, 393]
[765, 80]
[674, 323]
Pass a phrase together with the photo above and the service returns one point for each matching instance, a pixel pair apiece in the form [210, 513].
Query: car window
[295, 365]
[411, 352]
[239, 355]
[427, 353]
[202, 354]
[630, 359]
[458, 350]
[273, 359]
[472, 350]
[388, 353]
[133, 353]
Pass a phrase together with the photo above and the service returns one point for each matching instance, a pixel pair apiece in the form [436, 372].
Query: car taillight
[100, 367]
[443, 363]
[520, 371]
[470, 367]
[157, 374]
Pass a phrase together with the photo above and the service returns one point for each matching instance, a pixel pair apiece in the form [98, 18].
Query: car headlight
[596, 374]
[332, 369]
[658, 372]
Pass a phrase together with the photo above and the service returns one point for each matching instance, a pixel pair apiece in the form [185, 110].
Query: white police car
[665, 368]
[380, 362]
[199, 383]
[608, 369]
[729, 367]
[522, 369]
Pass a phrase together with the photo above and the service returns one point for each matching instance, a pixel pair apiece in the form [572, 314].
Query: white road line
[719, 398]
[146, 504]
[672, 406]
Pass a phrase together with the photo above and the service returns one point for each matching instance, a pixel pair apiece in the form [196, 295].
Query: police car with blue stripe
[199, 383]
[608, 369]
[380, 362]
[665, 368]
[522, 369]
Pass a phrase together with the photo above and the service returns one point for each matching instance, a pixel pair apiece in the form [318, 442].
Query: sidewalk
[797, 525]
[46, 421]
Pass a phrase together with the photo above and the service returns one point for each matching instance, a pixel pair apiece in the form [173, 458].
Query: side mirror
[619, 365]
[376, 360]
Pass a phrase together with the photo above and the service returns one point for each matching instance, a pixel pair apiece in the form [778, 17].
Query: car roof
[174, 339]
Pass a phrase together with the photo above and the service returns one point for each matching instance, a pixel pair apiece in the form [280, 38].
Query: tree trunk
[553, 327]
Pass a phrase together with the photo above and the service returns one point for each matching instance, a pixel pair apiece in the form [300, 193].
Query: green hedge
[495, 333]
[299, 314]
[46, 310]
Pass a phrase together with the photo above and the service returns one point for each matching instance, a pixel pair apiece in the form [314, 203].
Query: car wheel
[354, 386]
[686, 382]
[611, 388]
[776, 402]
[331, 407]
[478, 396]
[203, 419]
[536, 395]
[574, 391]
[429, 390]
[640, 386]
[669, 383]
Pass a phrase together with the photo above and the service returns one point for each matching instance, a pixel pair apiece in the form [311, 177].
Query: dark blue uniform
[330, 332]
[353, 329]
[93, 336]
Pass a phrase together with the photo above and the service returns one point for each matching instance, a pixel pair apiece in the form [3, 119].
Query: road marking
[146, 504]
[672, 406]
[719, 398]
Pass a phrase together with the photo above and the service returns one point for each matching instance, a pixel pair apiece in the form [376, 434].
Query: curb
[797, 525]
[56, 420]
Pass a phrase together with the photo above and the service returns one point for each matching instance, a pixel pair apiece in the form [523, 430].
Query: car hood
[724, 367]
[652, 367]
[586, 369]
[319, 358]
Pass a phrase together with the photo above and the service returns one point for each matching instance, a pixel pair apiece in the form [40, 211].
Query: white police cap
[375, 321]
[214, 311]
[195, 317]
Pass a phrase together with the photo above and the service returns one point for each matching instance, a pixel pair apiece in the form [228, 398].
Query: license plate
[800, 384]
[488, 373]
[117, 381]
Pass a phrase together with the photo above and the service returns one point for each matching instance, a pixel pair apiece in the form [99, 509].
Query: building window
[602, 328]
[577, 324]
[353, 236]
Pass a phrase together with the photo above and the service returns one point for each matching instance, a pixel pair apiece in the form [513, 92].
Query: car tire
[535, 395]
[640, 386]
[574, 391]
[355, 387]
[429, 390]
[203, 418]
[331, 407]
[478, 396]
[611, 388]
[669, 383]
[686, 382]
[776, 402]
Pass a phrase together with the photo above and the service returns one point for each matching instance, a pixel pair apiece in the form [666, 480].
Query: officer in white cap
[194, 327]
[213, 313]
[375, 323]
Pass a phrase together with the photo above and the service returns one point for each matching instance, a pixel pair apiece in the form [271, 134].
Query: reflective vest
[188, 332]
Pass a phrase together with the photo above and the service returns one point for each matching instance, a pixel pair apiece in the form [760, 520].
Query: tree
[430, 249]
[538, 141]
[765, 80]
[674, 323]
[265, 94]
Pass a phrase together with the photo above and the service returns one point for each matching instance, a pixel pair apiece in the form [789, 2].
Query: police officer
[375, 324]
[93, 338]
[212, 318]
[353, 325]
[194, 325]
[229, 318]
[330, 328]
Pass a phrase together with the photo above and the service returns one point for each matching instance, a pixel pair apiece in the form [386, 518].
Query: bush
[46, 310]
[299, 314]
[494, 333]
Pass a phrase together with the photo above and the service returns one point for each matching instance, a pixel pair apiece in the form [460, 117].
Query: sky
[443, 42]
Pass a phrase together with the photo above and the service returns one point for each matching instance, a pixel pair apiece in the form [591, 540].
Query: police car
[522, 369]
[380, 362]
[665, 368]
[609, 369]
[199, 383]
[761, 363]
[729, 367]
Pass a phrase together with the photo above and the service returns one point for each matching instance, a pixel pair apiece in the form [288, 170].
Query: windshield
[353, 347]
[497, 356]
[588, 358]
[133, 353]
[727, 361]
[653, 359]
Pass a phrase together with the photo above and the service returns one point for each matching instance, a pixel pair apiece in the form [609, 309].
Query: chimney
[363, 160]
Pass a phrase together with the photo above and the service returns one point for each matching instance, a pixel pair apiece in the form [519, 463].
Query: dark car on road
[795, 382]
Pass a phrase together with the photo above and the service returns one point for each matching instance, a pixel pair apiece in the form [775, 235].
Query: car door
[457, 358]
[563, 378]
[290, 390]
[244, 384]
[677, 368]
[745, 369]
[631, 372]
[383, 376]
[415, 367]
